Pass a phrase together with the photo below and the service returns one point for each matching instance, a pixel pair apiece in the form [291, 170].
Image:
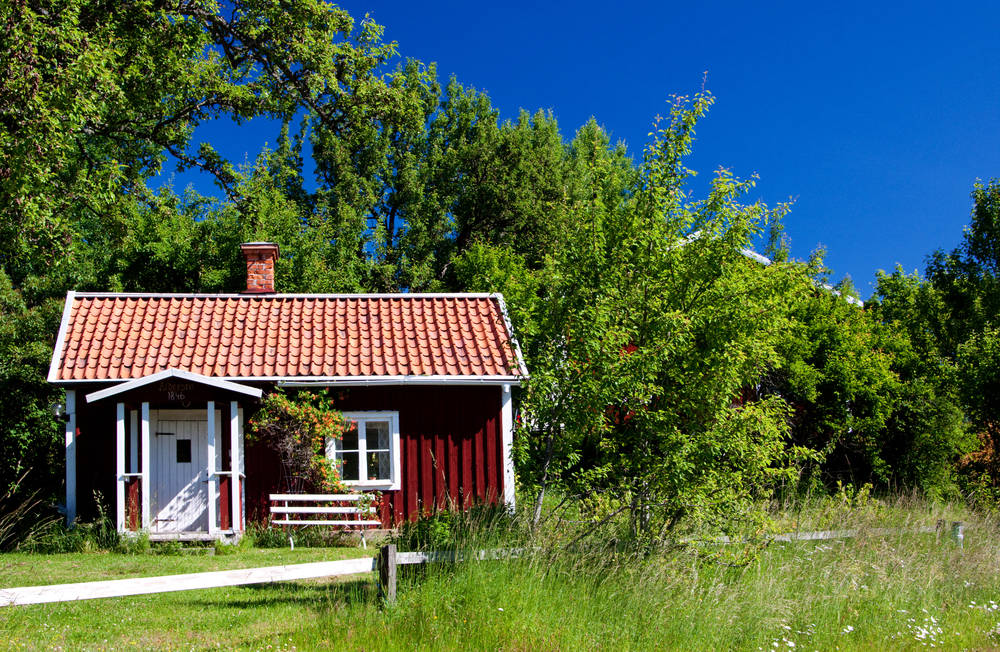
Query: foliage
[867, 400]
[30, 434]
[949, 366]
[298, 429]
[673, 379]
[651, 324]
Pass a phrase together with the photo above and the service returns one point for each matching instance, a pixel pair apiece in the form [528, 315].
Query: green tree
[652, 325]
[94, 98]
[927, 432]
[951, 318]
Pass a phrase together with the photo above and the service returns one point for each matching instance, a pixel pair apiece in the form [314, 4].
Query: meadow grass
[903, 591]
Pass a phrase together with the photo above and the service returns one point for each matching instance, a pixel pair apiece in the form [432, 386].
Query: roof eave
[326, 380]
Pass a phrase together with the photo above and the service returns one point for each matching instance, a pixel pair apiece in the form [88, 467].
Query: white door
[179, 460]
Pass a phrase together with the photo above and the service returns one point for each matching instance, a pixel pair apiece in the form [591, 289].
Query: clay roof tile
[111, 337]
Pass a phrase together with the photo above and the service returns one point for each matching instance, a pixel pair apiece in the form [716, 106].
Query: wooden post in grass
[958, 533]
[387, 573]
[939, 530]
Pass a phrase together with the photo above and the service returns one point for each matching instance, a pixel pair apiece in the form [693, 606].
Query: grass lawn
[255, 616]
[903, 591]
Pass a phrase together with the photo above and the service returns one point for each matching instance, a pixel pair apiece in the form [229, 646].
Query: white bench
[324, 509]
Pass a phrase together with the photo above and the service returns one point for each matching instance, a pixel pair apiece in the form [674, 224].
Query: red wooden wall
[451, 441]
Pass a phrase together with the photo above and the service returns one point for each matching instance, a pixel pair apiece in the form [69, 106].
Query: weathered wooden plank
[387, 572]
[823, 535]
[186, 582]
[437, 556]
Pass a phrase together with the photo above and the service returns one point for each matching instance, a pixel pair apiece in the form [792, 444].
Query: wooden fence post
[387, 573]
[939, 530]
[958, 533]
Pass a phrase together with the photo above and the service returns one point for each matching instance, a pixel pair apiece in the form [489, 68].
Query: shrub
[297, 429]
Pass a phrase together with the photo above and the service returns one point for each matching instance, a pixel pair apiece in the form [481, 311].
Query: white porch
[179, 466]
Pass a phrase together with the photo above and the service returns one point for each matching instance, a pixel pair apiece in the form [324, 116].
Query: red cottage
[160, 386]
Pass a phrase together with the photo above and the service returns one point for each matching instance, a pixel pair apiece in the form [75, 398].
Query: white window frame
[393, 484]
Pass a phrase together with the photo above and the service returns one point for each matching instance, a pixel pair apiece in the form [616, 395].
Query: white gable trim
[175, 373]
[521, 367]
[61, 338]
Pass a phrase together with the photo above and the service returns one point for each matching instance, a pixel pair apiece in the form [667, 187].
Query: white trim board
[61, 338]
[522, 368]
[174, 373]
[307, 381]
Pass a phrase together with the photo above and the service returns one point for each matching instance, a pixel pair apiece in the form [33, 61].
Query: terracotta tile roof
[122, 336]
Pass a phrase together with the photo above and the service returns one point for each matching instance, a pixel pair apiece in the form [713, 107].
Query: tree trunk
[543, 482]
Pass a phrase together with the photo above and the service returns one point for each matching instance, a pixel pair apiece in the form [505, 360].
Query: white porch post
[70, 456]
[145, 466]
[243, 488]
[133, 435]
[235, 464]
[507, 425]
[213, 479]
[120, 467]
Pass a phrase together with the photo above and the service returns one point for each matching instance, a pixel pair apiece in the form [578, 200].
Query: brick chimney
[260, 266]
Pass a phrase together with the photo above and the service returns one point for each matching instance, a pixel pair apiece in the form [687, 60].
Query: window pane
[350, 439]
[377, 435]
[349, 468]
[378, 466]
[183, 451]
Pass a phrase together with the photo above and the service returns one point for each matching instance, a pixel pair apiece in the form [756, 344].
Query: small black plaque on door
[183, 451]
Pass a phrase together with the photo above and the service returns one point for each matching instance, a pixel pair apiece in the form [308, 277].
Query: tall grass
[22, 512]
[902, 591]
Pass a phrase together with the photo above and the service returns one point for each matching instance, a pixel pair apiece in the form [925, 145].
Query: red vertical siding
[225, 514]
[440, 468]
[450, 441]
[133, 508]
[225, 464]
[490, 467]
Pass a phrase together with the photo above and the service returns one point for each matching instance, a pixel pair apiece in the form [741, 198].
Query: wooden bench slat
[318, 497]
[299, 514]
[364, 523]
[278, 509]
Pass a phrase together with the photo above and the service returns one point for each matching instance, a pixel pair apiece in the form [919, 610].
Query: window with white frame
[368, 453]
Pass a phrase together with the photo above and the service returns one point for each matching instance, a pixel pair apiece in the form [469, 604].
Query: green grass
[28, 569]
[906, 591]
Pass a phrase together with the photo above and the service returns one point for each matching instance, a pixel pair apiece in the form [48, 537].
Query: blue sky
[875, 119]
